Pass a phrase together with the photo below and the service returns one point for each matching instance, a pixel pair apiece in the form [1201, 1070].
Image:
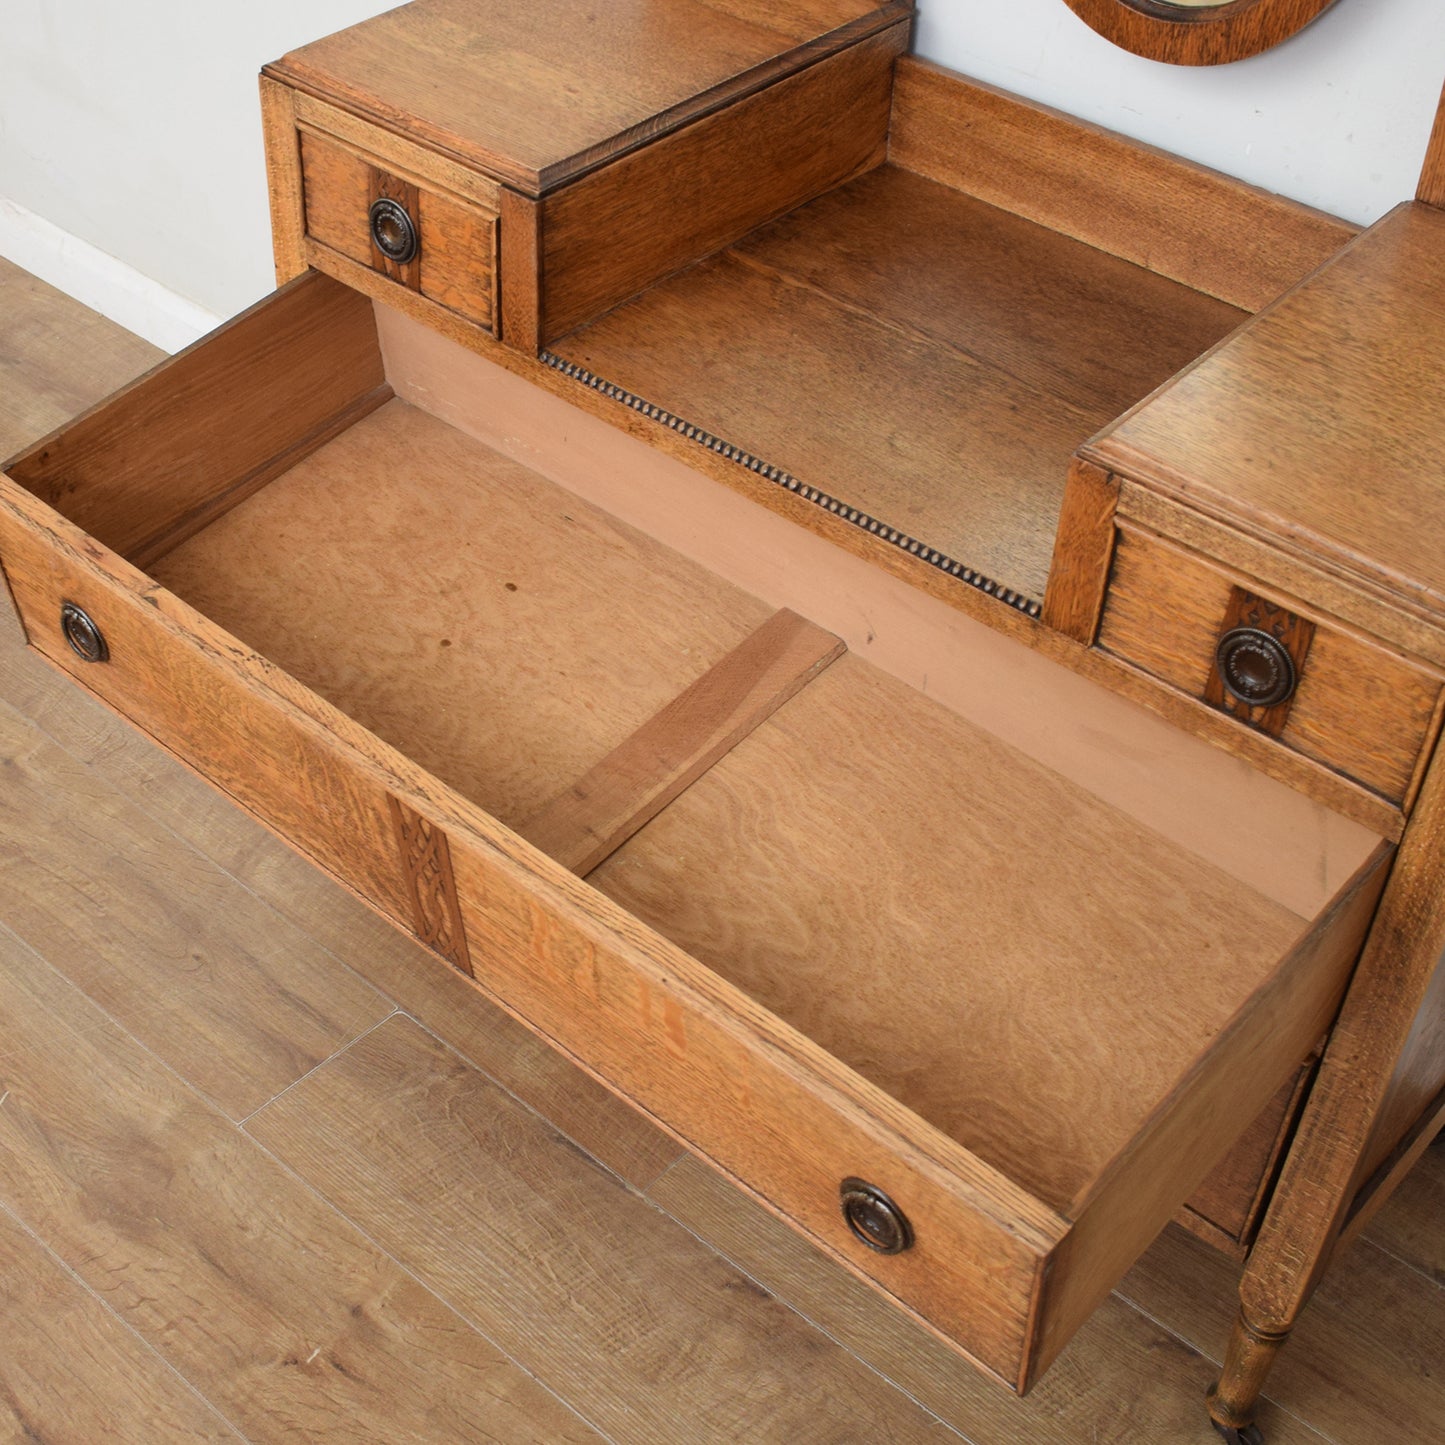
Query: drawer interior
[1044, 991]
[934, 909]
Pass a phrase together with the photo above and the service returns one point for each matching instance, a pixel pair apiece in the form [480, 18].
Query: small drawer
[373, 200]
[974, 1031]
[1309, 682]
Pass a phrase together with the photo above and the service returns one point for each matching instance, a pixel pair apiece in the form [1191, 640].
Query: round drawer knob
[1255, 667]
[874, 1217]
[393, 230]
[85, 638]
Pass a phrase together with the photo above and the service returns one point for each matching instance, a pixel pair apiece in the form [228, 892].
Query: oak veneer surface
[500, 631]
[1208, 230]
[920, 356]
[1010, 959]
[567, 83]
[1336, 408]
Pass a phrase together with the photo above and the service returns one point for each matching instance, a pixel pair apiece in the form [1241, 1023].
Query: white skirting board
[116, 290]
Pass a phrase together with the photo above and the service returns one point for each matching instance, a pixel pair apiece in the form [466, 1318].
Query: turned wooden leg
[1233, 1401]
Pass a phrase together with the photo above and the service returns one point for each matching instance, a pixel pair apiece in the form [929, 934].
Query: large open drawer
[862, 948]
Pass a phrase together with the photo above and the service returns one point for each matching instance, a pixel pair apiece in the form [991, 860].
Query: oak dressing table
[786, 568]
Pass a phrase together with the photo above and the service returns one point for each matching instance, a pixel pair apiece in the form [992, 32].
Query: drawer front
[381, 210]
[1356, 708]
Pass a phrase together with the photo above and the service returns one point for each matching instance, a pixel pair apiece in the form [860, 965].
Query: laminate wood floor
[267, 1172]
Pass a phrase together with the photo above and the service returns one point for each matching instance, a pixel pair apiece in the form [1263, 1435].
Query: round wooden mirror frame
[1184, 35]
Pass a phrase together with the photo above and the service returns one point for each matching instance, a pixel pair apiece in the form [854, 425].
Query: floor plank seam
[120, 1319]
[802, 1314]
[105, 1017]
[550, 1125]
[334, 1054]
[418, 1280]
[1435, 1280]
[1212, 1357]
[138, 800]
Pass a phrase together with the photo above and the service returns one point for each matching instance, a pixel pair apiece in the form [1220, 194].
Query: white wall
[1337, 117]
[133, 125]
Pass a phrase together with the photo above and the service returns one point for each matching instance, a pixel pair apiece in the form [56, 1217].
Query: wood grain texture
[1367, 610]
[283, 179]
[675, 1039]
[471, 1194]
[980, 482]
[520, 268]
[1189, 1132]
[192, 686]
[1409, 1226]
[668, 753]
[611, 234]
[1209, 231]
[567, 88]
[431, 169]
[1123, 1377]
[1384, 1055]
[1235, 1193]
[157, 1203]
[455, 264]
[1432, 171]
[1077, 323]
[1351, 358]
[1083, 553]
[847, 840]
[545, 633]
[180, 803]
[426, 861]
[1358, 708]
[58, 358]
[1199, 37]
[1068, 707]
[1294, 633]
[215, 421]
[86, 877]
[110, 1384]
[382, 184]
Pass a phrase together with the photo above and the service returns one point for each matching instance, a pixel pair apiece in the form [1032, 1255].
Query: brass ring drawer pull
[1255, 668]
[393, 230]
[86, 640]
[874, 1218]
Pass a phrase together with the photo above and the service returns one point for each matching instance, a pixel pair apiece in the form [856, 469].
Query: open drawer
[973, 1030]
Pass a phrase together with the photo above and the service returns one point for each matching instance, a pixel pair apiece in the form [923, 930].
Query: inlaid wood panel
[177, 802]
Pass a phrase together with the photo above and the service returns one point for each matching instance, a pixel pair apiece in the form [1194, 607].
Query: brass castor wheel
[1248, 1435]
